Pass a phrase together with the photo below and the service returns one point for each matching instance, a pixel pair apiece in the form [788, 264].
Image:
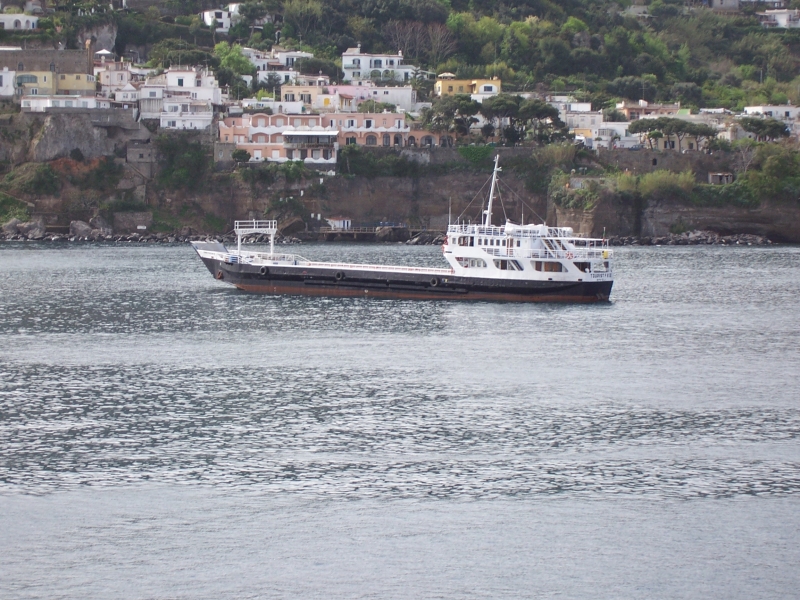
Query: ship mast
[487, 218]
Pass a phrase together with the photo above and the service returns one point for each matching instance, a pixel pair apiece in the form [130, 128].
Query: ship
[511, 263]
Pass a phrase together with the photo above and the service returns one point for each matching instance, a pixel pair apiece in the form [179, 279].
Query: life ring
[434, 281]
[338, 276]
[570, 255]
[220, 274]
[264, 271]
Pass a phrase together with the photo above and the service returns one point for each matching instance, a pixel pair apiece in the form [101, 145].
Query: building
[7, 83]
[220, 16]
[359, 66]
[186, 85]
[18, 21]
[641, 109]
[784, 112]
[280, 138]
[112, 76]
[447, 85]
[276, 66]
[49, 71]
[38, 103]
[725, 6]
[347, 98]
[780, 19]
[183, 113]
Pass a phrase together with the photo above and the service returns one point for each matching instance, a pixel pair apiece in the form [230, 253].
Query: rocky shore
[98, 230]
[693, 238]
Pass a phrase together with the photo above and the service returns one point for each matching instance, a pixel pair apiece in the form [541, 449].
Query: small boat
[513, 263]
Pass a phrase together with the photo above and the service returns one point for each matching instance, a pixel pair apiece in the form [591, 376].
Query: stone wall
[647, 161]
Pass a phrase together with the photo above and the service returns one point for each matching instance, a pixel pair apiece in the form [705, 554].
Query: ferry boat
[517, 263]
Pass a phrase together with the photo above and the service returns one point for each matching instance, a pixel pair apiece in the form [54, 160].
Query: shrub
[476, 154]
[185, 163]
[240, 155]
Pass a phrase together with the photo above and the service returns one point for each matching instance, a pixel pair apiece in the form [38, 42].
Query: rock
[100, 223]
[32, 230]
[80, 229]
[10, 227]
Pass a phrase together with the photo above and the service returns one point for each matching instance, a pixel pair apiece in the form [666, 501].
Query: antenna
[487, 220]
[449, 210]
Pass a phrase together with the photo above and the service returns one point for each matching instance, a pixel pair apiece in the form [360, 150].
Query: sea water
[163, 435]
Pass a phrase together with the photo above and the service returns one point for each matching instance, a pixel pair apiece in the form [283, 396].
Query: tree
[537, 115]
[503, 108]
[702, 132]
[745, 153]
[373, 106]
[409, 37]
[232, 58]
[251, 13]
[441, 43]
[452, 114]
[312, 66]
[303, 15]
[240, 155]
[765, 129]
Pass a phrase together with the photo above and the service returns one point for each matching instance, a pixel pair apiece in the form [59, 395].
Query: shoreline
[694, 238]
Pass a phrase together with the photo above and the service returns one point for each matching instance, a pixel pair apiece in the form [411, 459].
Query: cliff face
[779, 221]
[42, 137]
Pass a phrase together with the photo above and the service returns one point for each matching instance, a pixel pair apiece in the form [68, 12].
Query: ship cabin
[526, 252]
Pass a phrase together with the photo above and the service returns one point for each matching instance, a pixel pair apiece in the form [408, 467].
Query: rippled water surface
[165, 436]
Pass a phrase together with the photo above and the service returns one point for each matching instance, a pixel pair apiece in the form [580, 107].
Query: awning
[314, 133]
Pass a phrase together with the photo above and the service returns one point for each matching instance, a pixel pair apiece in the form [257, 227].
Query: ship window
[583, 266]
[548, 266]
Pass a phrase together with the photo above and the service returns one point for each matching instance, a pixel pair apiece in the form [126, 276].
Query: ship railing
[547, 254]
[254, 226]
[387, 268]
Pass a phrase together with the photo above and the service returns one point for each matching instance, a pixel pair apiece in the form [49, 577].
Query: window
[142, 155]
[368, 123]
[298, 122]
[68, 103]
[351, 141]
[56, 103]
[547, 266]
[63, 77]
[372, 140]
[387, 139]
[44, 79]
[449, 88]
[84, 104]
[279, 122]
[390, 63]
[1, 81]
[351, 122]
[473, 263]
[180, 82]
[152, 94]
[20, 67]
[312, 122]
[378, 63]
[170, 123]
[386, 93]
[487, 88]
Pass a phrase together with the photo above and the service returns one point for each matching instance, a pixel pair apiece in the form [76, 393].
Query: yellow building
[48, 72]
[81, 84]
[35, 83]
[447, 86]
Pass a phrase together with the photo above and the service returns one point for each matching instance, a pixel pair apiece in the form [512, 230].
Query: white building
[359, 66]
[7, 83]
[785, 112]
[130, 93]
[186, 114]
[220, 16]
[112, 76]
[276, 106]
[780, 19]
[45, 103]
[151, 100]
[18, 21]
[278, 62]
[194, 83]
[236, 16]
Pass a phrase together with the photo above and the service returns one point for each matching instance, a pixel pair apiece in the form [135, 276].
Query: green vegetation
[33, 179]
[185, 163]
[11, 208]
